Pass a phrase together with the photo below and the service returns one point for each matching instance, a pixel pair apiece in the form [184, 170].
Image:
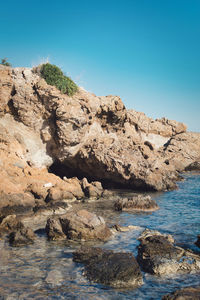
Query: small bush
[54, 76]
[4, 62]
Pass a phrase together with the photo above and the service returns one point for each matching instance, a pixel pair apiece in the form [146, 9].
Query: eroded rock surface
[21, 237]
[94, 137]
[188, 293]
[79, 226]
[104, 266]
[136, 203]
[83, 136]
[157, 255]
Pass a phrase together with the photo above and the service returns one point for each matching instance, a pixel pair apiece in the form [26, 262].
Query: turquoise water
[45, 270]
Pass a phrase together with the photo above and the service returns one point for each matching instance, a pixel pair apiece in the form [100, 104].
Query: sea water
[45, 270]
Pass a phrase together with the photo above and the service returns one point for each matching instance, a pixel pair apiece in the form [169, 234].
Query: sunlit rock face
[85, 136]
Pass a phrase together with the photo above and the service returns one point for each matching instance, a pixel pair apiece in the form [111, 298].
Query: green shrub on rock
[54, 76]
[4, 62]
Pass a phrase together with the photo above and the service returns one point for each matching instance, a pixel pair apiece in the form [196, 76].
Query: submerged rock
[188, 293]
[157, 255]
[21, 237]
[136, 203]
[81, 225]
[106, 267]
[9, 224]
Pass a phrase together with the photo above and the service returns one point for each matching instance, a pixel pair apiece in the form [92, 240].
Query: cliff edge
[43, 130]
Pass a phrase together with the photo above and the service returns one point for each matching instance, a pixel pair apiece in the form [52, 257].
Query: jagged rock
[194, 166]
[106, 267]
[198, 241]
[92, 190]
[54, 229]
[188, 293]
[157, 255]
[85, 135]
[79, 226]
[136, 203]
[21, 237]
[148, 233]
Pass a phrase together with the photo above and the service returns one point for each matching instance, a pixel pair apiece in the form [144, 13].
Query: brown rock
[104, 266]
[136, 203]
[21, 237]
[9, 224]
[81, 226]
[89, 136]
[188, 293]
[157, 255]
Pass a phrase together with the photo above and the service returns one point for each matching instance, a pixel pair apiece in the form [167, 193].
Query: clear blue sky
[146, 51]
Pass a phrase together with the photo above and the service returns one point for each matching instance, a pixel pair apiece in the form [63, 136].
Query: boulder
[80, 226]
[119, 270]
[188, 293]
[136, 203]
[21, 237]
[157, 255]
[54, 229]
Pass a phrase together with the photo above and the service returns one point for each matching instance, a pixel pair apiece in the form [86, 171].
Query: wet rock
[16, 203]
[54, 229]
[148, 233]
[136, 203]
[188, 293]
[198, 241]
[157, 255]
[118, 228]
[106, 267]
[54, 278]
[81, 226]
[9, 223]
[21, 237]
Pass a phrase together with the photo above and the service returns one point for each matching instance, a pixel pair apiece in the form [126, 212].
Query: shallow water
[45, 270]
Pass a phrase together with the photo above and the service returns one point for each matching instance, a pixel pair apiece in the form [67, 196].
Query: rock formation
[158, 255]
[46, 136]
[136, 203]
[119, 270]
[79, 226]
[188, 293]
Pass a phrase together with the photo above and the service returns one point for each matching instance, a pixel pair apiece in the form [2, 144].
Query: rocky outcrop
[79, 226]
[188, 293]
[157, 255]
[119, 270]
[83, 136]
[136, 203]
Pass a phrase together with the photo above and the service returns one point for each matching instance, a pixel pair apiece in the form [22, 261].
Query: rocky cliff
[42, 130]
